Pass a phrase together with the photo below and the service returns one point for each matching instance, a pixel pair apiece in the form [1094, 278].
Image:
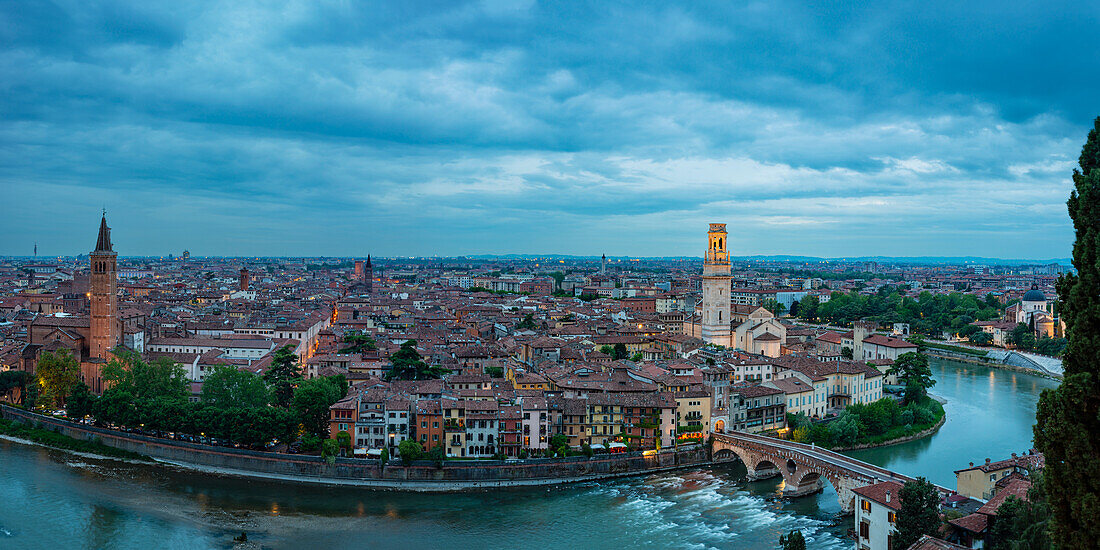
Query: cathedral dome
[1034, 295]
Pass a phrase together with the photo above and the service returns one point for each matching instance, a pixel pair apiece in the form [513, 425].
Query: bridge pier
[762, 474]
[810, 485]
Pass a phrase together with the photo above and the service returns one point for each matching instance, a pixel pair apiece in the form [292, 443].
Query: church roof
[1034, 295]
[103, 243]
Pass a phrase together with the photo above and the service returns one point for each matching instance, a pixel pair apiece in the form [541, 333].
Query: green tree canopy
[1022, 337]
[407, 364]
[981, 338]
[311, 401]
[283, 374]
[57, 374]
[410, 450]
[229, 387]
[162, 378]
[79, 403]
[773, 306]
[11, 379]
[913, 371]
[357, 342]
[919, 514]
[619, 351]
[1067, 428]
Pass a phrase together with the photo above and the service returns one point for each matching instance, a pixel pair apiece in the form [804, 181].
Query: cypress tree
[1067, 428]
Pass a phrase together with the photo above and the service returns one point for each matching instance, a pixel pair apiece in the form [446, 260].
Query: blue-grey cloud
[492, 126]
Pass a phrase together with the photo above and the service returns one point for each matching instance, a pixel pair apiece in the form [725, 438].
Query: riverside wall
[419, 475]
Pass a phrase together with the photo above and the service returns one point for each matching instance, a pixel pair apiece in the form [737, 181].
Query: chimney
[971, 464]
[887, 496]
[1013, 455]
[987, 461]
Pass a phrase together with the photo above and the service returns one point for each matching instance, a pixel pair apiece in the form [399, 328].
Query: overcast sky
[405, 128]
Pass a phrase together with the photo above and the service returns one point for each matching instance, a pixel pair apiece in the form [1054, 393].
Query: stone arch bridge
[802, 466]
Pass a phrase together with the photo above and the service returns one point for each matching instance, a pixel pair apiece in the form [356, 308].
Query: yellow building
[979, 481]
[693, 413]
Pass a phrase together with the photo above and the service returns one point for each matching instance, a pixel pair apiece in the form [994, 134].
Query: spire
[368, 260]
[103, 244]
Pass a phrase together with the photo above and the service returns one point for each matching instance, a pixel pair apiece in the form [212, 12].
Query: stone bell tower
[716, 288]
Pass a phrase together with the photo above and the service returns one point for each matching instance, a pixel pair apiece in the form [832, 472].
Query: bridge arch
[805, 468]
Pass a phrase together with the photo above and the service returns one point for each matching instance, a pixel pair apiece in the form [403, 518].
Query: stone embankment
[450, 475]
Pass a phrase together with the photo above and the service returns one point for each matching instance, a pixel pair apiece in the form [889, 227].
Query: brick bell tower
[103, 295]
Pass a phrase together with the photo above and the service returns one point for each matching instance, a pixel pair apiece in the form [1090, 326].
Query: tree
[11, 379]
[607, 350]
[637, 357]
[161, 378]
[528, 322]
[773, 306]
[494, 371]
[311, 402]
[919, 514]
[1022, 337]
[329, 449]
[845, 429]
[437, 455]
[57, 373]
[912, 369]
[981, 338]
[807, 307]
[410, 450]
[228, 387]
[793, 541]
[1023, 523]
[846, 353]
[407, 364]
[358, 343]
[283, 375]
[619, 351]
[80, 401]
[1067, 428]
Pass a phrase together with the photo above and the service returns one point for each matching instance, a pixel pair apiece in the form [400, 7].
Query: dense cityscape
[503, 274]
[399, 360]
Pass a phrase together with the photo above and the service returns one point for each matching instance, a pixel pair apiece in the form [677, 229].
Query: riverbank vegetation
[153, 397]
[871, 424]
[879, 421]
[60, 441]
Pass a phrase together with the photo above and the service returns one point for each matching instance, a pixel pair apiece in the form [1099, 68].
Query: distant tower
[244, 278]
[359, 276]
[603, 265]
[716, 288]
[103, 290]
[186, 255]
[368, 275]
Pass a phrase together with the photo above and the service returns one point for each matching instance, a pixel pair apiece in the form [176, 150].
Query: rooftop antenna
[36, 249]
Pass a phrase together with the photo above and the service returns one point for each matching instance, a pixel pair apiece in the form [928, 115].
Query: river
[50, 499]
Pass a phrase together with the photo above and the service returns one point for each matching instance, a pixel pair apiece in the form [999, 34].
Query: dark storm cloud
[450, 128]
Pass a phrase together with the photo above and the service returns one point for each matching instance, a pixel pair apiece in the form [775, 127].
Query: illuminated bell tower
[716, 288]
